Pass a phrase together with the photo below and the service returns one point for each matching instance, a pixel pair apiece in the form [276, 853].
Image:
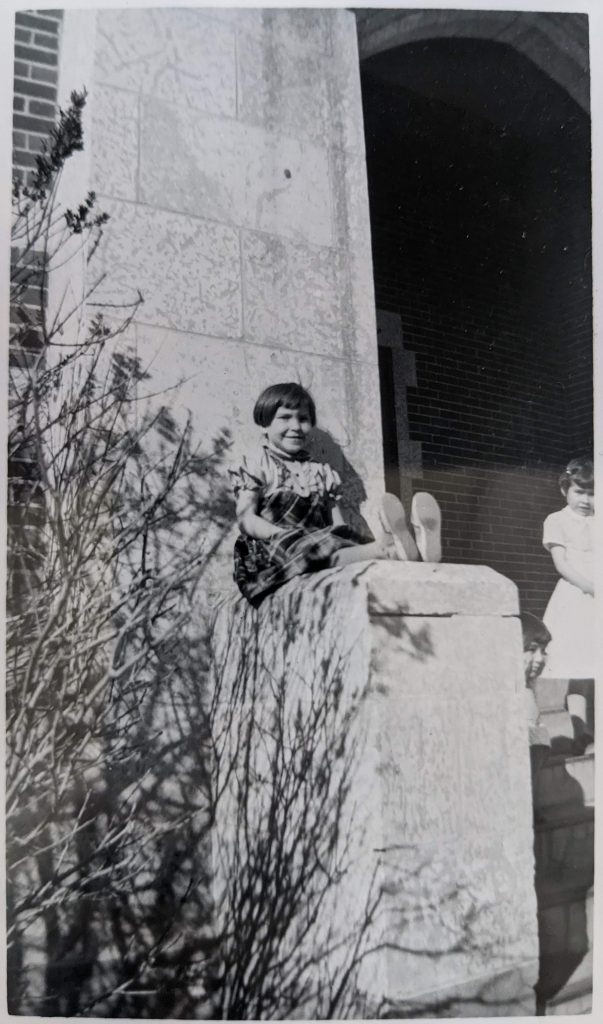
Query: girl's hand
[250, 521]
[568, 572]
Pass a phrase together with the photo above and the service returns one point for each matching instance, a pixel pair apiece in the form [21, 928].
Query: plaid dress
[296, 493]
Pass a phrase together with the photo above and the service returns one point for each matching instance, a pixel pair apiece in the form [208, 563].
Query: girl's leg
[393, 541]
[364, 553]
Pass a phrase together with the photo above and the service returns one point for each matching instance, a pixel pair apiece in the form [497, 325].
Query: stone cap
[420, 588]
[405, 588]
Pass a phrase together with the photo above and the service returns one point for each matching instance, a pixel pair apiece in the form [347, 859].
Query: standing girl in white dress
[570, 614]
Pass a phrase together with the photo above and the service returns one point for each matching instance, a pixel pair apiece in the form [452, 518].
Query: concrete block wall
[227, 147]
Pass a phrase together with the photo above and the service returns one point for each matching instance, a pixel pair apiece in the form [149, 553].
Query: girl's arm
[568, 572]
[250, 522]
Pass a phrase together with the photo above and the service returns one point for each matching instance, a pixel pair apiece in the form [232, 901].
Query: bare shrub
[106, 813]
[288, 733]
[128, 780]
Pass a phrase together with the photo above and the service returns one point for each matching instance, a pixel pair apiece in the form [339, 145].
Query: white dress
[570, 613]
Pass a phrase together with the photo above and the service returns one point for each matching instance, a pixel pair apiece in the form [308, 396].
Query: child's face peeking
[289, 429]
[580, 500]
[534, 660]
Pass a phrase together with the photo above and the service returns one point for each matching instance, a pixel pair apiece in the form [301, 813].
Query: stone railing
[373, 797]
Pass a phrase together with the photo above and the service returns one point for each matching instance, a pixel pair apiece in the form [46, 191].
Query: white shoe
[426, 521]
[393, 520]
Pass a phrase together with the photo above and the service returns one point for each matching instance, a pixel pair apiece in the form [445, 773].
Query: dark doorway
[479, 186]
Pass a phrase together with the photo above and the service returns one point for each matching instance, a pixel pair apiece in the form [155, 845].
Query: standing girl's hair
[579, 472]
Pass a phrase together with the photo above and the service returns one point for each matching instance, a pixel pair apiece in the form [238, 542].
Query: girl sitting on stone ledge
[288, 507]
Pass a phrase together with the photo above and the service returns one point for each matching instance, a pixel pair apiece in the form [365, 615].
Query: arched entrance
[478, 155]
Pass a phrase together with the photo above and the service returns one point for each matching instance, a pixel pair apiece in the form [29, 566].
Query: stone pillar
[436, 905]
[228, 148]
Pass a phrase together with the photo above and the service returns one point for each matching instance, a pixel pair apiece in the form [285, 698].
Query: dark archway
[479, 183]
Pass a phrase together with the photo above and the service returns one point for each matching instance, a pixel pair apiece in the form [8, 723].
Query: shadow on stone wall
[107, 792]
[326, 449]
[298, 901]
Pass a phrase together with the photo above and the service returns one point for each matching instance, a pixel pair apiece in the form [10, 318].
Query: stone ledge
[416, 588]
[419, 588]
[424, 665]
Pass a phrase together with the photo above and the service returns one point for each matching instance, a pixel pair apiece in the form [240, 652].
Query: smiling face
[580, 500]
[534, 660]
[289, 429]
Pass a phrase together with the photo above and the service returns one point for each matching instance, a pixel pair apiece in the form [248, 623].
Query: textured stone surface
[362, 402]
[443, 777]
[185, 57]
[288, 700]
[235, 173]
[282, 87]
[245, 219]
[417, 588]
[186, 269]
[493, 747]
[418, 766]
[347, 125]
[456, 921]
[434, 648]
[353, 236]
[305, 31]
[300, 89]
[114, 158]
[278, 277]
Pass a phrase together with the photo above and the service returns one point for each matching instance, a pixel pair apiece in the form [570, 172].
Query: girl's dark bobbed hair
[578, 471]
[292, 396]
[534, 630]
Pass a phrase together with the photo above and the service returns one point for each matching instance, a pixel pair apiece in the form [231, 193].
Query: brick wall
[501, 337]
[37, 35]
[35, 87]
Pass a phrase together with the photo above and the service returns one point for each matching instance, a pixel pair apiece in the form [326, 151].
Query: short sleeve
[553, 533]
[247, 476]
